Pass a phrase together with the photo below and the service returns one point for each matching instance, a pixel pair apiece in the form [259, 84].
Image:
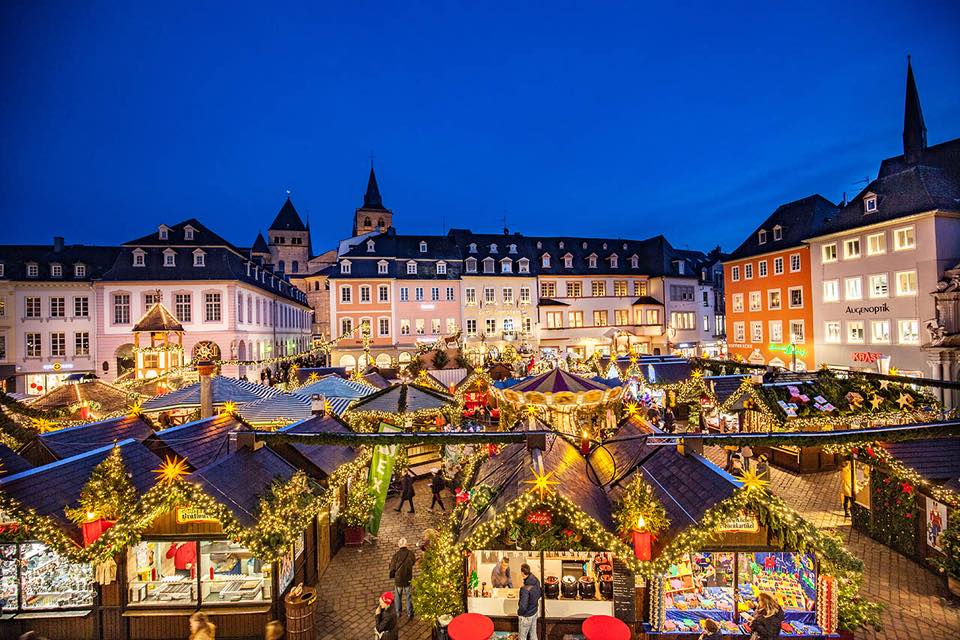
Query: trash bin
[299, 606]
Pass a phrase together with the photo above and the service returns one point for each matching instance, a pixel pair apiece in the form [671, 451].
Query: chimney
[242, 439]
[205, 368]
[57, 244]
[318, 405]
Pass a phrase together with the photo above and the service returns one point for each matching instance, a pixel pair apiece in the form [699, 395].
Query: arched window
[281, 265]
[295, 267]
[367, 222]
[380, 223]
[348, 362]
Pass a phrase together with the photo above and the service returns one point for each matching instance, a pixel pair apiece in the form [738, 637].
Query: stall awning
[224, 389]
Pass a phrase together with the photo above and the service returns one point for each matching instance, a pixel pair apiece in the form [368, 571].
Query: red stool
[605, 628]
[470, 626]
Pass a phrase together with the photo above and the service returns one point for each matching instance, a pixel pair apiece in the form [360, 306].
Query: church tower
[289, 241]
[372, 216]
[914, 130]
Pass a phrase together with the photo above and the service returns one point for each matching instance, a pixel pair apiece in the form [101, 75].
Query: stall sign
[541, 517]
[286, 570]
[866, 356]
[935, 522]
[741, 523]
[381, 469]
[189, 514]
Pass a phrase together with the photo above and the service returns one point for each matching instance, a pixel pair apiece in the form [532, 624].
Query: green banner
[381, 469]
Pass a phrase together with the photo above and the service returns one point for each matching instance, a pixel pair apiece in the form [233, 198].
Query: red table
[470, 626]
[605, 628]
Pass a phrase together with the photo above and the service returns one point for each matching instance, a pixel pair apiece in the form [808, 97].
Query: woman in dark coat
[406, 490]
[765, 624]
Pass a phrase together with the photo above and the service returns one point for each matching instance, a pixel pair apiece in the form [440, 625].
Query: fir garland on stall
[108, 493]
[639, 501]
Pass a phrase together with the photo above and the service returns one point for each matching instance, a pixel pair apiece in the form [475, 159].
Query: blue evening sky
[692, 119]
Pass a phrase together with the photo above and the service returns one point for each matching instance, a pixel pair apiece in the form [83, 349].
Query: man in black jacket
[529, 605]
[401, 570]
[436, 486]
[406, 490]
[386, 622]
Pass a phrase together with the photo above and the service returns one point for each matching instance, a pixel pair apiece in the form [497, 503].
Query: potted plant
[356, 513]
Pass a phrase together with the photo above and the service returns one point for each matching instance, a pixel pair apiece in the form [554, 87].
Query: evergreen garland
[639, 501]
[108, 494]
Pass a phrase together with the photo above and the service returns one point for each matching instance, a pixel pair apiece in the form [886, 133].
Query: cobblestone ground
[350, 586]
[916, 608]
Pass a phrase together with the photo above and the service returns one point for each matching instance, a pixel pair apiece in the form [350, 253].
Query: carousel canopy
[201, 442]
[224, 389]
[404, 398]
[559, 387]
[332, 386]
[107, 397]
[64, 443]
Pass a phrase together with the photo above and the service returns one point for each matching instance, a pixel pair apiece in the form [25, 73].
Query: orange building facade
[770, 308]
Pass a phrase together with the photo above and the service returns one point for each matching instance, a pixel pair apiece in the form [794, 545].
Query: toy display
[48, 581]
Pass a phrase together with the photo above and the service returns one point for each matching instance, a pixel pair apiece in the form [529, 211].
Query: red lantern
[93, 529]
[439, 420]
[643, 545]
[462, 496]
[584, 443]
[84, 413]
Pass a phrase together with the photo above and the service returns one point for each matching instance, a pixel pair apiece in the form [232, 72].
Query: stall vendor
[500, 576]
[184, 557]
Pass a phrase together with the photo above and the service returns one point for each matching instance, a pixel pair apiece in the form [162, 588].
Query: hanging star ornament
[884, 384]
[876, 401]
[171, 470]
[632, 409]
[751, 480]
[905, 401]
[542, 483]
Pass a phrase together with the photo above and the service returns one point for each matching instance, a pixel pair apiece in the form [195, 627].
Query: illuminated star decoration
[136, 409]
[876, 401]
[531, 410]
[542, 483]
[632, 409]
[171, 470]
[752, 481]
[313, 377]
[884, 384]
[697, 374]
[905, 401]
[229, 408]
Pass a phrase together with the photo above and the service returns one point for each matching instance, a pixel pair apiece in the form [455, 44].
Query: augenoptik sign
[871, 310]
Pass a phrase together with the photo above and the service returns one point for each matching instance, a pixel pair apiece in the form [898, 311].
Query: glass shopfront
[494, 580]
[35, 577]
[177, 573]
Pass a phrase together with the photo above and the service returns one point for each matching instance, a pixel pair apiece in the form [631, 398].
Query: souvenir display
[790, 577]
[48, 581]
[8, 577]
[700, 586]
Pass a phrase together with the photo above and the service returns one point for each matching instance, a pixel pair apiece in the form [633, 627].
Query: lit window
[906, 283]
[880, 330]
[878, 286]
[470, 296]
[831, 330]
[796, 297]
[904, 239]
[738, 303]
[853, 288]
[739, 332]
[908, 331]
[775, 327]
[855, 331]
[831, 290]
[756, 332]
[773, 300]
[876, 244]
[829, 253]
[797, 332]
[755, 301]
[851, 248]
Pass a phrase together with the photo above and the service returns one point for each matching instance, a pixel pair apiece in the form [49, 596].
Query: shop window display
[700, 586]
[577, 584]
[162, 572]
[231, 573]
[9, 591]
[493, 585]
[48, 581]
[791, 578]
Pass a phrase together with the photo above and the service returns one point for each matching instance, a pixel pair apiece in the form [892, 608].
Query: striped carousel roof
[335, 387]
[558, 387]
[240, 392]
[556, 381]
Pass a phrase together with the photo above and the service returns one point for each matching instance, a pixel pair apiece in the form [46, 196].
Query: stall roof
[63, 443]
[404, 398]
[556, 381]
[304, 373]
[224, 390]
[937, 461]
[11, 462]
[447, 377]
[326, 458]
[283, 407]
[336, 387]
[376, 379]
[109, 397]
[724, 386]
[201, 442]
[238, 481]
[51, 488]
[664, 369]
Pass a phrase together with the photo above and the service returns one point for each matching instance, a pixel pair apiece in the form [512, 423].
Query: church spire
[914, 130]
[372, 199]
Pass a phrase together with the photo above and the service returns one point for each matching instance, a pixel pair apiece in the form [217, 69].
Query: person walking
[385, 625]
[846, 478]
[437, 483]
[406, 490]
[401, 570]
[668, 420]
[765, 624]
[763, 468]
[201, 628]
[747, 452]
[529, 605]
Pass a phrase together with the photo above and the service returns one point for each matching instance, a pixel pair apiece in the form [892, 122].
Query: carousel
[563, 399]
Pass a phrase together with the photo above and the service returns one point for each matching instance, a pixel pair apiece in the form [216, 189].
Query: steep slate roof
[937, 461]
[14, 259]
[799, 220]
[50, 489]
[259, 245]
[11, 462]
[201, 442]
[72, 441]
[287, 219]
[371, 198]
[239, 480]
[109, 397]
[403, 398]
[326, 458]
[158, 318]
[223, 390]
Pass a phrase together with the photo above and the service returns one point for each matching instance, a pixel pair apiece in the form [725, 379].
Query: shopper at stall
[386, 620]
[529, 605]
[437, 483]
[763, 468]
[184, 557]
[711, 630]
[401, 570]
[500, 575]
[406, 490]
[846, 478]
[668, 420]
[747, 454]
[201, 628]
[765, 624]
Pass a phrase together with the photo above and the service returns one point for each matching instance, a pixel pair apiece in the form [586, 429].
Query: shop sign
[189, 515]
[866, 356]
[542, 518]
[57, 366]
[789, 349]
[741, 523]
[874, 309]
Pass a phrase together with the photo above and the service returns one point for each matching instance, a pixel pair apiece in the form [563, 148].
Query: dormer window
[539, 245]
[591, 260]
[493, 248]
[199, 258]
[139, 258]
[762, 236]
[778, 233]
[79, 271]
[634, 262]
[545, 261]
[411, 268]
[382, 267]
[506, 265]
[371, 246]
[169, 258]
[523, 265]
[568, 261]
[473, 247]
[512, 249]
[345, 267]
[163, 232]
[583, 245]
[488, 265]
[423, 247]
[870, 203]
[56, 271]
[441, 268]
[614, 261]
[624, 246]
[560, 244]
[33, 270]
[471, 264]
[188, 232]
